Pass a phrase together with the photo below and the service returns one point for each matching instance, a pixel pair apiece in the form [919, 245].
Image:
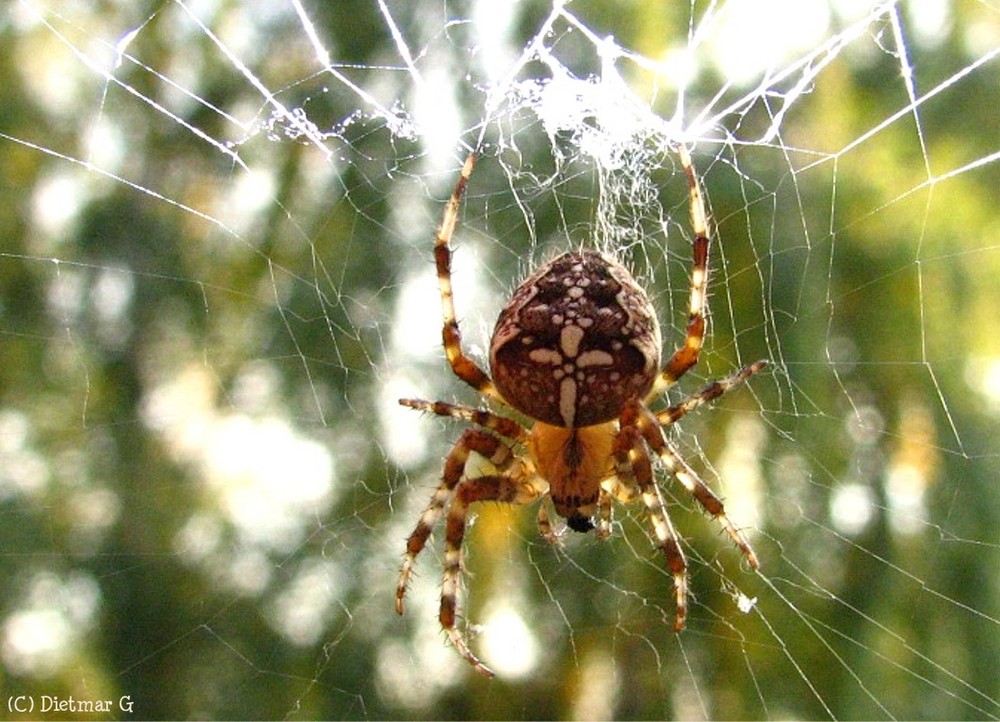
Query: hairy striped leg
[687, 355]
[604, 512]
[464, 367]
[619, 487]
[709, 393]
[507, 428]
[634, 464]
[545, 528]
[652, 432]
[484, 488]
[477, 440]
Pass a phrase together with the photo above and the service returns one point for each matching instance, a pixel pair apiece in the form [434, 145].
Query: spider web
[216, 281]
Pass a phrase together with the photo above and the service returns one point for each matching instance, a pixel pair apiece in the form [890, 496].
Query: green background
[866, 272]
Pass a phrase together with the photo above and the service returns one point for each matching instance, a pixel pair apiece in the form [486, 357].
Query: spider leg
[686, 355]
[501, 425]
[604, 510]
[483, 443]
[464, 367]
[652, 432]
[484, 488]
[545, 525]
[709, 393]
[633, 461]
[622, 487]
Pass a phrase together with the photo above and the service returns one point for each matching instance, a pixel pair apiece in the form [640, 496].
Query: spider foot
[404, 579]
[546, 529]
[602, 530]
[681, 621]
[680, 587]
[458, 641]
[740, 540]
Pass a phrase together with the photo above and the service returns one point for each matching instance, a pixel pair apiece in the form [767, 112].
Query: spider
[576, 350]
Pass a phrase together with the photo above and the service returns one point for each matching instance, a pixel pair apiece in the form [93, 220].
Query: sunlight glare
[403, 437]
[982, 376]
[56, 203]
[35, 641]
[437, 116]
[303, 609]
[416, 328]
[739, 466]
[509, 647]
[851, 508]
[39, 638]
[599, 689]
[913, 467]
[493, 21]
[269, 480]
[905, 488]
[930, 21]
[25, 471]
[248, 199]
[105, 144]
[746, 44]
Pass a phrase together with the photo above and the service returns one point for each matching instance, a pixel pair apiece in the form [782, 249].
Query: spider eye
[580, 523]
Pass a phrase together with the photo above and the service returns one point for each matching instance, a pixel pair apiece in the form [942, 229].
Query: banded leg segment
[507, 428]
[483, 443]
[652, 432]
[709, 393]
[484, 488]
[631, 455]
[451, 336]
[687, 355]
[545, 528]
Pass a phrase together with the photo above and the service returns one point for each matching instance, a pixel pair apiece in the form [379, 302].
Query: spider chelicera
[576, 350]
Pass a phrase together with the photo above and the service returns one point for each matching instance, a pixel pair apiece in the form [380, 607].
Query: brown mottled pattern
[578, 339]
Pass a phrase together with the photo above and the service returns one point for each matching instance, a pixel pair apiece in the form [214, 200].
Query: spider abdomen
[577, 340]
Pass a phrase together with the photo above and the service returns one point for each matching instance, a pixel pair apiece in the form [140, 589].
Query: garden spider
[577, 351]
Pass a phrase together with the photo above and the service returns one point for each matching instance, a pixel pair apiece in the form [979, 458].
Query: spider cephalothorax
[577, 351]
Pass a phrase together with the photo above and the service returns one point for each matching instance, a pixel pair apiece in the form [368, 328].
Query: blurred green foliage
[869, 280]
